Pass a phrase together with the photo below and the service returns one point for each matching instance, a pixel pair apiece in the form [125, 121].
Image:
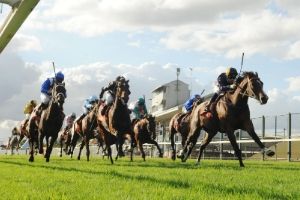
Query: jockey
[69, 121]
[88, 105]
[107, 94]
[189, 104]
[46, 90]
[140, 109]
[226, 82]
[29, 108]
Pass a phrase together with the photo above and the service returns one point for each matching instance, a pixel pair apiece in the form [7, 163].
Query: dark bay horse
[115, 124]
[145, 132]
[64, 139]
[230, 113]
[50, 123]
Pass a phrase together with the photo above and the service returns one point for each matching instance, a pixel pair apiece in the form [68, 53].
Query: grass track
[65, 178]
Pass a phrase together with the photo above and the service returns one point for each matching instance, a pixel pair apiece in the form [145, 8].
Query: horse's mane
[249, 74]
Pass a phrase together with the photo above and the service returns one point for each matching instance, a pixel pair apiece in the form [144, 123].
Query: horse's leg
[47, 146]
[61, 147]
[87, 146]
[20, 140]
[31, 151]
[206, 140]
[235, 146]
[248, 126]
[172, 138]
[73, 143]
[132, 145]
[40, 142]
[141, 149]
[50, 147]
[190, 143]
[157, 146]
[109, 154]
[80, 149]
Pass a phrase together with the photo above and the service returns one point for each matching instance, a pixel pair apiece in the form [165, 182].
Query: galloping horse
[230, 113]
[179, 124]
[50, 123]
[88, 126]
[145, 132]
[115, 124]
[13, 141]
[64, 138]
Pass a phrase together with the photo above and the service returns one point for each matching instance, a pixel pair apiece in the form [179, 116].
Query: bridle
[246, 92]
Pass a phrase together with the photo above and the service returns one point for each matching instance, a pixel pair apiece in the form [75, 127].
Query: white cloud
[273, 94]
[296, 98]
[294, 84]
[136, 44]
[219, 27]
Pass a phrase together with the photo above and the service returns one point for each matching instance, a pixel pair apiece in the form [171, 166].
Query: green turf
[65, 178]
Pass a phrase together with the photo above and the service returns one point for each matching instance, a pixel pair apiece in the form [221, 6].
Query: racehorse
[49, 124]
[230, 113]
[64, 138]
[115, 124]
[13, 141]
[179, 123]
[145, 132]
[87, 125]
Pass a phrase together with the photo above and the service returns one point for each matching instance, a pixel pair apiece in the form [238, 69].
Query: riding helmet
[59, 76]
[231, 72]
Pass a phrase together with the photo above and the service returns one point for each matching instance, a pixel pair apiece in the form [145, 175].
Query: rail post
[289, 136]
[263, 132]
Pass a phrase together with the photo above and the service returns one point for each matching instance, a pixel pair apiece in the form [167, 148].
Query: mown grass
[65, 178]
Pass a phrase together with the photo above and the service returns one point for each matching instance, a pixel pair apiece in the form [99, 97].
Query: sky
[94, 41]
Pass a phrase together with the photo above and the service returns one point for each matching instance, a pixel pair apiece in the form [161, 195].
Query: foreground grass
[65, 178]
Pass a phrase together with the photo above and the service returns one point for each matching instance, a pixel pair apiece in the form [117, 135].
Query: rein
[246, 93]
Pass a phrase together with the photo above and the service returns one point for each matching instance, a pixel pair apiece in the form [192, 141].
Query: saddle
[212, 107]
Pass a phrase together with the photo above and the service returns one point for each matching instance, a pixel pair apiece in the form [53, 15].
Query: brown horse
[230, 113]
[50, 123]
[115, 124]
[64, 138]
[13, 141]
[179, 124]
[88, 126]
[145, 132]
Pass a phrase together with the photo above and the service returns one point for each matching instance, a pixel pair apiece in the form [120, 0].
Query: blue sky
[146, 40]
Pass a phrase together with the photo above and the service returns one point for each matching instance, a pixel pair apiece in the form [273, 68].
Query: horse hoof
[197, 164]
[78, 158]
[270, 153]
[60, 155]
[47, 159]
[41, 152]
[31, 159]
[161, 155]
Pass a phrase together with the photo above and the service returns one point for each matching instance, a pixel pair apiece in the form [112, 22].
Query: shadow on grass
[169, 183]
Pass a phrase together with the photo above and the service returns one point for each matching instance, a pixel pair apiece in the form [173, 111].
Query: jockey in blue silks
[46, 90]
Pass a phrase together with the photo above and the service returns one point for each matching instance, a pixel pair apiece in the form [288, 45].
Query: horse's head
[252, 86]
[58, 94]
[151, 125]
[122, 90]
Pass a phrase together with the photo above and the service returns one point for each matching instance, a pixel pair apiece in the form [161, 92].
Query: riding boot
[212, 100]
[80, 118]
[103, 111]
[40, 108]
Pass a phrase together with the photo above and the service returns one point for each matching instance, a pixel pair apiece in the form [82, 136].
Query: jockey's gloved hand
[233, 86]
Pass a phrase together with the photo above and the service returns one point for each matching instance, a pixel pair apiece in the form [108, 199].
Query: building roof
[167, 84]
